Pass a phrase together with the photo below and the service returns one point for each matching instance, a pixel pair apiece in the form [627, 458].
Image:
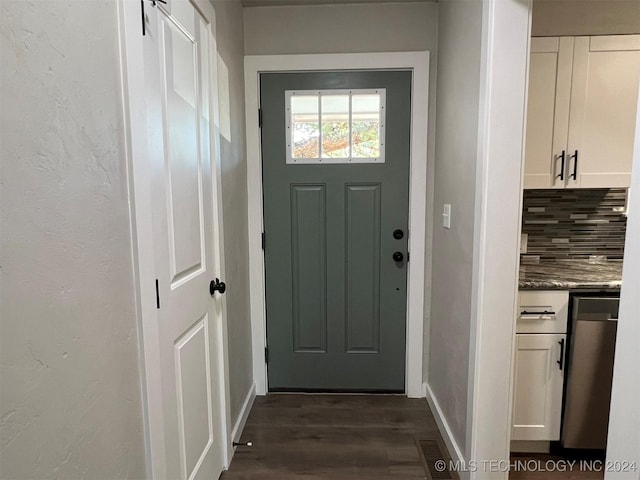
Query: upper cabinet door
[604, 101]
[548, 112]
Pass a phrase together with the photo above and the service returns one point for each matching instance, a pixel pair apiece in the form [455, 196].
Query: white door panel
[177, 97]
[193, 385]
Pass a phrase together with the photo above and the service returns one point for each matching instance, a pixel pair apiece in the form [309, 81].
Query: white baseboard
[238, 427]
[443, 426]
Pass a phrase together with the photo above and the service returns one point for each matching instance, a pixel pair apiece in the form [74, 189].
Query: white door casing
[170, 101]
[418, 62]
[503, 80]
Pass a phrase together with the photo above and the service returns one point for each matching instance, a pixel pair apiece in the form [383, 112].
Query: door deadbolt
[398, 234]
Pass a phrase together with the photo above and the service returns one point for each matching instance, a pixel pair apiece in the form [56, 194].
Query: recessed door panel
[194, 396]
[182, 154]
[362, 268]
[532, 371]
[309, 267]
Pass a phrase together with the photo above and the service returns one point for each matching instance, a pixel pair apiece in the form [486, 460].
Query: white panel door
[604, 99]
[538, 384]
[177, 69]
[548, 112]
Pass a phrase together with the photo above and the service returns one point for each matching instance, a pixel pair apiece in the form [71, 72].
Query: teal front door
[336, 149]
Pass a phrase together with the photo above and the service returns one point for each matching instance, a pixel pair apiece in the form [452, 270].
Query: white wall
[70, 384]
[585, 17]
[340, 28]
[229, 35]
[624, 422]
[459, 50]
[355, 29]
[483, 47]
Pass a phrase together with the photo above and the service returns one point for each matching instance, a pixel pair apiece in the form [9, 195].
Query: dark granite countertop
[570, 274]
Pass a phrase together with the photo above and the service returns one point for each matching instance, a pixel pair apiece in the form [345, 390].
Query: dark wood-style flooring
[347, 437]
[333, 437]
[551, 468]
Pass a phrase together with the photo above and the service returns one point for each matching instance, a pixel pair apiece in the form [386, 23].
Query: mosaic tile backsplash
[574, 223]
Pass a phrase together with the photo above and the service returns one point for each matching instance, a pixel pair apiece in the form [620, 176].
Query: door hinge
[260, 118]
[144, 22]
[266, 354]
[144, 26]
[262, 240]
[157, 295]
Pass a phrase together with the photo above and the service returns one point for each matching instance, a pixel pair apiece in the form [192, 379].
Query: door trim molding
[418, 63]
[504, 72]
[134, 131]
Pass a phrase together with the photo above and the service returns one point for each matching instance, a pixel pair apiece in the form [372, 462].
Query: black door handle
[563, 158]
[217, 286]
[561, 361]
[398, 256]
[574, 175]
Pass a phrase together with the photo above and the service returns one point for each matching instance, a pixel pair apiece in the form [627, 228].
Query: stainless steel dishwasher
[594, 322]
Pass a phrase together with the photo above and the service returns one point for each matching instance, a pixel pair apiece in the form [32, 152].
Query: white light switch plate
[446, 216]
[524, 239]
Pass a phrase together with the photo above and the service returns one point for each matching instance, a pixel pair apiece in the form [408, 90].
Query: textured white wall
[585, 17]
[459, 42]
[229, 33]
[70, 388]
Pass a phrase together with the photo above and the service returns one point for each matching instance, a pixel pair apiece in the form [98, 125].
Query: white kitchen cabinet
[548, 111]
[542, 311]
[538, 385]
[604, 102]
[541, 327]
[581, 113]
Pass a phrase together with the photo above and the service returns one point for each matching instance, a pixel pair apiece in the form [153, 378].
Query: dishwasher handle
[561, 361]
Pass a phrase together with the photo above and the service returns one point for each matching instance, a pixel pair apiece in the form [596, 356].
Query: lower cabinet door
[538, 384]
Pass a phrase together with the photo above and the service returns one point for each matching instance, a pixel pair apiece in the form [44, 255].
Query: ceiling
[269, 3]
